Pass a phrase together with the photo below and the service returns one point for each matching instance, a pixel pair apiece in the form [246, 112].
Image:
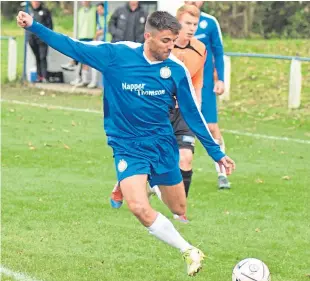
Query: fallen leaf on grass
[31, 147]
[259, 181]
[73, 123]
[286, 178]
[257, 230]
[66, 146]
[47, 145]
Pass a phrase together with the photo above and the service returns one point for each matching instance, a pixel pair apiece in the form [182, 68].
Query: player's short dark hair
[100, 4]
[160, 21]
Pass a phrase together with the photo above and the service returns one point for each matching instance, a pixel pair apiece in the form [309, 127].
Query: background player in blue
[209, 32]
[140, 81]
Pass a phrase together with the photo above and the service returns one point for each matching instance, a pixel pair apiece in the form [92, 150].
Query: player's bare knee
[186, 159]
[180, 209]
[141, 210]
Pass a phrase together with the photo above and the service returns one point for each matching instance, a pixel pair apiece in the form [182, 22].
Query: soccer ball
[251, 270]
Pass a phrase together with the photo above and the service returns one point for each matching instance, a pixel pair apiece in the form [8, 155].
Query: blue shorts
[157, 157]
[209, 105]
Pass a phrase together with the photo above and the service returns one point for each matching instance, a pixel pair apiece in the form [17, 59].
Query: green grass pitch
[57, 174]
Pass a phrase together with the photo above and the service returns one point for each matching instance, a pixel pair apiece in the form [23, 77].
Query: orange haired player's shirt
[193, 56]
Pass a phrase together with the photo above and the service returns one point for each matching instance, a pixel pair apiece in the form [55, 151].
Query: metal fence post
[227, 78]
[12, 59]
[295, 84]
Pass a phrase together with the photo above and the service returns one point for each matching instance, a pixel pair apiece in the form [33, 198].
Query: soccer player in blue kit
[209, 33]
[140, 82]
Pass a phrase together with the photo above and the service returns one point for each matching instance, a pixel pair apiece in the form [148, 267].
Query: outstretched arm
[96, 54]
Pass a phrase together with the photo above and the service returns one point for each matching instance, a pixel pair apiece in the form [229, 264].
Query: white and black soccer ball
[251, 270]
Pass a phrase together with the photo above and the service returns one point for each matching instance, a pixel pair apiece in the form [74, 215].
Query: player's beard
[160, 56]
[157, 53]
[165, 55]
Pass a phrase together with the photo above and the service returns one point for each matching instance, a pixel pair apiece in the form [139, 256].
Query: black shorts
[185, 137]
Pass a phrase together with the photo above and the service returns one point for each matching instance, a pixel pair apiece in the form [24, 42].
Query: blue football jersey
[138, 93]
[209, 33]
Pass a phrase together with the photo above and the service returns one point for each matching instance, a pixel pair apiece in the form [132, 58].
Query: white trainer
[193, 258]
[68, 66]
[76, 81]
[92, 85]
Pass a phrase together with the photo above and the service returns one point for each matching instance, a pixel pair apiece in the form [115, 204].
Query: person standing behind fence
[127, 23]
[86, 32]
[42, 15]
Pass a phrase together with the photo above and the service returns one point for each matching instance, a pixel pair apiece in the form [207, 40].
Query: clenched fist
[219, 87]
[24, 20]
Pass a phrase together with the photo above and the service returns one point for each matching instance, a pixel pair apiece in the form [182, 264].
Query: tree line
[238, 19]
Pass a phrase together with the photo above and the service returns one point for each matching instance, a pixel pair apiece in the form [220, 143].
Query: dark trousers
[39, 49]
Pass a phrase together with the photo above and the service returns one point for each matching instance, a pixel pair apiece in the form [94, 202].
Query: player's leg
[94, 79]
[43, 48]
[216, 133]
[209, 111]
[116, 197]
[132, 174]
[186, 159]
[173, 194]
[174, 197]
[84, 75]
[186, 143]
[135, 195]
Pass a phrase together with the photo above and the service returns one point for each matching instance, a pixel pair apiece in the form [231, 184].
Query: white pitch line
[234, 132]
[259, 136]
[48, 106]
[16, 275]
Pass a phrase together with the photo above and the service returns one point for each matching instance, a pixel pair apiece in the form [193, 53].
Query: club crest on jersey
[122, 165]
[165, 72]
[203, 24]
